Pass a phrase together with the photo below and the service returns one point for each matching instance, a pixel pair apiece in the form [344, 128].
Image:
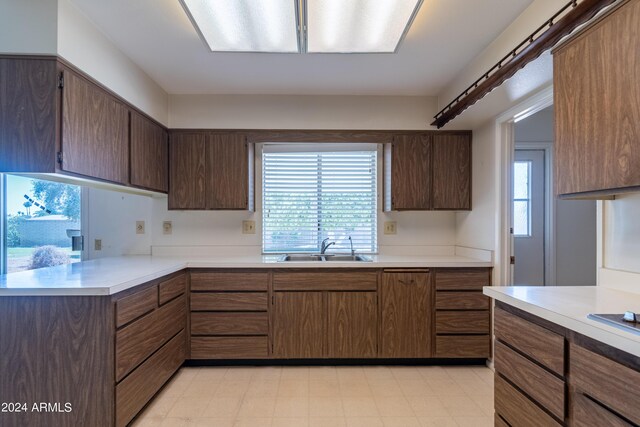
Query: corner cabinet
[210, 171]
[597, 107]
[428, 171]
[54, 119]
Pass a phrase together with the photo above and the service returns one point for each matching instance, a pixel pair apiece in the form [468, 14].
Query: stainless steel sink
[323, 258]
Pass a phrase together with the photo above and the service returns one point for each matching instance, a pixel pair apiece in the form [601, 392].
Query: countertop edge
[606, 336]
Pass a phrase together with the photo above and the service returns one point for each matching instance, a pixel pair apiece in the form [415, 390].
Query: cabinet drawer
[169, 289]
[136, 305]
[229, 281]
[587, 413]
[463, 322]
[136, 341]
[229, 301]
[326, 281]
[462, 301]
[517, 409]
[203, 323]
[542, 386]
[499, 422]
[462, 280]
[461, 346]
[229, 347]
[138, 388]
[608, 382]
[538, 343]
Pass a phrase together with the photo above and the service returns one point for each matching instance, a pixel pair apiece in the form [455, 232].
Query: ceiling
[445, 36]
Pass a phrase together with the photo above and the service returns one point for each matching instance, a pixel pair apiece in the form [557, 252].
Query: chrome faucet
[324, 246]
[353, 253]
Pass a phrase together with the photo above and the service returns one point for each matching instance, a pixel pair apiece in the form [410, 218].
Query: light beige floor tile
[405, 372]
[325, 407]
[378, 373]
[437, 422]
[360, 407]
[211, 422]
[211, 374]
[324, 388]
[222, 407]
[446, 387]
[350, 373]
[400, 422]
[263, 388]
[293, 388]
[461, 406]
[268, 373]
[175, 422]
[417, 387]
[323, 373]
[427, 406]
[253, 422]
[327, 422]
[232, 388]
[143, 421]
[364, 422]
[393, 407]
[201, 388]
[433, 373]
[485, 403]
[485, 374]
[385, 388]
[177, 386]
[160, 406]
[291, 422]
[355, 389]
[186, 407]
[292, 407]
[474, 421]
[295, 373]
[188, 372]
[240, 374]
[475, 387]
[257, 407]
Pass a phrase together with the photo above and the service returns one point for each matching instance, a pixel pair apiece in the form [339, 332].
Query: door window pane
[41, 217]
[522, 199]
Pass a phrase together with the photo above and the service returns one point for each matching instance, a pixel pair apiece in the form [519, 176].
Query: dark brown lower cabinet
[547, 375]
[352, 324]
[406, 315]
[298, 325]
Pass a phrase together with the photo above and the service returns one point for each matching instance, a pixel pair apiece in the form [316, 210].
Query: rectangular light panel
[246, 25]
[358, 26]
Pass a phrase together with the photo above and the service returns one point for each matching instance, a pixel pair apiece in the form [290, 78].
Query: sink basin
[323, 258]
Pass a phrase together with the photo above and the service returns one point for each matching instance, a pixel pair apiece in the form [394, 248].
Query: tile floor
[376, 396]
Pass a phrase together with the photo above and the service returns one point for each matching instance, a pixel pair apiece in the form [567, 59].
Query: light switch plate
[248, 227]
[97, 244]
[167, 227]
[139, 227]
[390, 227]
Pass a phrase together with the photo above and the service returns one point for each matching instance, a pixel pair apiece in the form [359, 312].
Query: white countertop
[569, 306]
[107, 276]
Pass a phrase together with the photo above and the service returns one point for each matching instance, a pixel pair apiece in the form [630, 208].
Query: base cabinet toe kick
[100, 360]
[546, 375]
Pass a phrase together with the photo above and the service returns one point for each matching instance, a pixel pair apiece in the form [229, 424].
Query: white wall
[82, 44]
[575, 220]
[28, 26]
[300, 112]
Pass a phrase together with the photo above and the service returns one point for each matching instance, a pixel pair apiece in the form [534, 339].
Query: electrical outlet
[248, 227]
[167, 227]
[139, 227]
[390, 227]
[97, 244]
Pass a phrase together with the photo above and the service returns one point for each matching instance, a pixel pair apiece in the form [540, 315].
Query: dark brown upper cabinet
[95, 131]
[428, 171]
[597, 107]
[54, 119]
[210, 170]
[149, 154]
[451, 172]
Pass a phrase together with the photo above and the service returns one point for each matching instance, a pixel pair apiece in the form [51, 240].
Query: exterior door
[528, 218]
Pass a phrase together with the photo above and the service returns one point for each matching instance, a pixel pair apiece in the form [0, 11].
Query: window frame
[528, 199]
[294, 146]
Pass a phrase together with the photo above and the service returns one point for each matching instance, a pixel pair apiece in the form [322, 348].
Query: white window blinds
[309, 196]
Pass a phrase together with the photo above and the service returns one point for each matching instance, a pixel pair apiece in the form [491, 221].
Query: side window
[40, 219]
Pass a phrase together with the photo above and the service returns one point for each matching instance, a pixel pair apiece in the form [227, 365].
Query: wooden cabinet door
[298, 325]
[597, 107]
[451, 172]
[411, 172]
[352, 324]
[187, 171]
[406, 315]
[95, 131]
[227, 182]
[149, 154]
